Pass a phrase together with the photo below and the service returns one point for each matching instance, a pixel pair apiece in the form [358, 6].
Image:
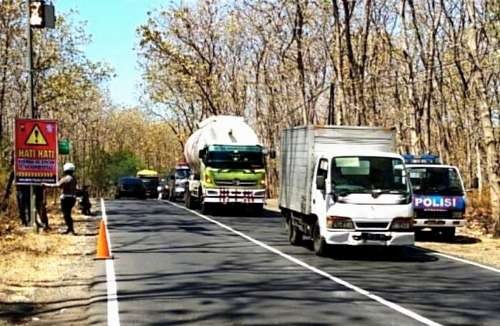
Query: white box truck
[344, 186]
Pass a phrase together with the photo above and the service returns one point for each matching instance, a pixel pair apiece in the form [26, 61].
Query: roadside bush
[478, 214]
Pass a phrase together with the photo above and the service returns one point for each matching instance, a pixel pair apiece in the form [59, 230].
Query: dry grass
[471, 245]
[42, 270]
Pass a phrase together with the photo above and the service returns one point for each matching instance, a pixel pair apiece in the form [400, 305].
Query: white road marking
[113, 314]
[335, 279]
[465, 261]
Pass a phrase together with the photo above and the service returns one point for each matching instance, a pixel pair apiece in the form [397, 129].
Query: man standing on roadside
[68, 196]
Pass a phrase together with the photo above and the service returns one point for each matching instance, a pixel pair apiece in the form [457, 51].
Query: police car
[439, 198]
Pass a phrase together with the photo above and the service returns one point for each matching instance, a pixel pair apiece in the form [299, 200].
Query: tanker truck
[227, 162]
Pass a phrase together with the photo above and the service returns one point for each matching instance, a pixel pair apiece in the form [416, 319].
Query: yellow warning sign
[36, 137]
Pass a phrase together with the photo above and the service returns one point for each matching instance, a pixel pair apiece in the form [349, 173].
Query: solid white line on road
[335, 279]
[465, 261]
[113, 316]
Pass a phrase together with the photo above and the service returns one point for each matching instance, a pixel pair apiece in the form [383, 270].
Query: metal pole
[31, 105]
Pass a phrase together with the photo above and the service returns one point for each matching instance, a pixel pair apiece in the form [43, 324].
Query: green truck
[227, 162]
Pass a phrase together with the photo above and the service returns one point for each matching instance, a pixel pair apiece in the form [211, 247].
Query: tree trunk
[492, 164]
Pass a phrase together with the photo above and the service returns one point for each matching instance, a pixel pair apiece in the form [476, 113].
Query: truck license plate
[373, 237]
[435, 222]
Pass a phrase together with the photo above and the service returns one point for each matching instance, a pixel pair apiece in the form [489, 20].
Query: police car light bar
[422, 159]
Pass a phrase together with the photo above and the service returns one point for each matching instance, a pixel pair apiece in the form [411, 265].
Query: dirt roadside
[46, 277]
[470, 243]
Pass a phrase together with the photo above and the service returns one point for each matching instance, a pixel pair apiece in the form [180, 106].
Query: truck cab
[344, 185]
[228, 166]
[177, 181]
[362, 199]
[232, 174]
[439, 197]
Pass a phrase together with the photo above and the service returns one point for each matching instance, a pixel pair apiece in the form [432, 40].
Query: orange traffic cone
[103, 251]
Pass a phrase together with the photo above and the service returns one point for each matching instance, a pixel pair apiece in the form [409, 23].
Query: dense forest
[429, 68]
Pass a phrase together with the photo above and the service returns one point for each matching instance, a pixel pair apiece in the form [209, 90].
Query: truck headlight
[339, 222]
[208, 179]
[402, 223]
[457, 214]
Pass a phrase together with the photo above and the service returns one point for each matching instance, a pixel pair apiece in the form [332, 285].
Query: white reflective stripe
[112, 292]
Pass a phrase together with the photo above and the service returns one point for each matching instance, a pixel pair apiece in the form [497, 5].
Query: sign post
[39, 15]
[35, 156]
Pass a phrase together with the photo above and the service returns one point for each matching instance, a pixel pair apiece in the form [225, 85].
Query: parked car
[151, 180]
[439, 197]
[130, 187]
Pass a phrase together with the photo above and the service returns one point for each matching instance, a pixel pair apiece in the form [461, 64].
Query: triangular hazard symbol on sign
[36, 137]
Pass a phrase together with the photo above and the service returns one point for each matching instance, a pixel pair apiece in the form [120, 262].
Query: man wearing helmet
[68, 196]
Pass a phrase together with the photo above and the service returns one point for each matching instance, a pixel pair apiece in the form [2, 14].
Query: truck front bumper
[234, 195]
[179, 191]
[360, 238]
[437, 222]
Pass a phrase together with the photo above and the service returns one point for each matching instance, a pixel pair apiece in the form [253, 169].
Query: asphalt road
[174, 267]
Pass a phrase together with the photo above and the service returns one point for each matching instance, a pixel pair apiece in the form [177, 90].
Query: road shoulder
[46, 277]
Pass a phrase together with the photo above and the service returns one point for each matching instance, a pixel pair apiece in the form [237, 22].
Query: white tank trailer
[227, 161]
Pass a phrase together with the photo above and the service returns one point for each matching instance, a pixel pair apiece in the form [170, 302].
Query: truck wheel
[189, 200]
[294, 234]
[319, 245]
[256, 209]
[448, 233]
[205, 207]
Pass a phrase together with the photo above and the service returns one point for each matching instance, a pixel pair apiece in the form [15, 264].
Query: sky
[112, 25]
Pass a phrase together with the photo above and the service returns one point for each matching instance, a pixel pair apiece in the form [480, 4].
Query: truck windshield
[376, 175]
[235, 159]
[435, 180]
[182, 174]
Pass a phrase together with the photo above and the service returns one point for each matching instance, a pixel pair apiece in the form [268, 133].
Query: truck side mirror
[475, 183]
[320, 182]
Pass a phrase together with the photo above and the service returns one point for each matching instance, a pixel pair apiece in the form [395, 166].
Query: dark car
[130, 187]
[151, 184]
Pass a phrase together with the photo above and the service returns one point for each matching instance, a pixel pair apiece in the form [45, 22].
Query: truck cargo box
[300, 147]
